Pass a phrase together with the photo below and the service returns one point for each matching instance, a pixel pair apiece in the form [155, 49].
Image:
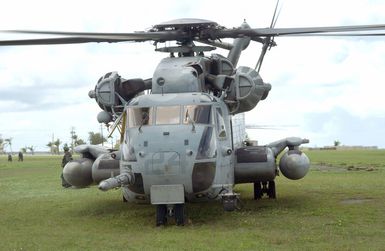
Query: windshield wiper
[190, 120]
[144, 120]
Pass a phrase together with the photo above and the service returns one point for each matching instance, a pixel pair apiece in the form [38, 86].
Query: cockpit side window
[140, 116]
[220, 123]
[167, 115]
[200, 114]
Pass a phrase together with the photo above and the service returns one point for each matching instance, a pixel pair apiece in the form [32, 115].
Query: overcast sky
[329, 88]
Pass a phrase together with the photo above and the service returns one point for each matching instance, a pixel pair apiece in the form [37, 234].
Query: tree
[57, 144]
[96, 138]
[2, 144]
[50, 145]
[54, 146]
[32, 149]
[75, 141]
[79, 142]
[337, 143]
[9, 142]
[74, 137]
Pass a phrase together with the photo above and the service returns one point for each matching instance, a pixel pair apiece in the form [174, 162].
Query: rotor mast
[239, 45]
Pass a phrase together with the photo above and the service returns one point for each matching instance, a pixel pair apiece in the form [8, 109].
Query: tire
[179, 214]
[257, 190]
[161, 212]
[271, 190]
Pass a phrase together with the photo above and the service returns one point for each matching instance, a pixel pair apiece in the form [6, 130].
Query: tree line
[94, 138]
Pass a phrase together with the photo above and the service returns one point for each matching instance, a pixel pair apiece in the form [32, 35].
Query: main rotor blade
[87, 37]
[216, 33]
[273, 20]
[361, 34]
[204, 34]
[60, 40]
[269, 32]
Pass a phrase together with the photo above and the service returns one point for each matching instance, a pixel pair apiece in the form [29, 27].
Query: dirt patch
[361, 168]
[328, 167]
[352, 201]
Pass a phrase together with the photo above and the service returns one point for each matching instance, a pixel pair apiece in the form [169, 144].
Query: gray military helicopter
[182, 132]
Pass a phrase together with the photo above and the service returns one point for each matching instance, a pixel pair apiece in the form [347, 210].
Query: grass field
[339, 205]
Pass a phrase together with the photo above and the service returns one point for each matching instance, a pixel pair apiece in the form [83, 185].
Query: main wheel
[257, 190]
[161, 215]
[179, 214]
[271, 190]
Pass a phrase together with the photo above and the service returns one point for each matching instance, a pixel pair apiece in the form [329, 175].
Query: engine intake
[247, 90]
[112, 92]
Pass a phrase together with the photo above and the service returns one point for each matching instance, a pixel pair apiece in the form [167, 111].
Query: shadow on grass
[110, 210]
[144, 214]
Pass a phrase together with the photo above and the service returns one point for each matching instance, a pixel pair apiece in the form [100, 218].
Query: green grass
[333, 208]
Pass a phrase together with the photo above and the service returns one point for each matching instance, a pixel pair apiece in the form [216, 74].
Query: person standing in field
[21, 157]
[66, 158]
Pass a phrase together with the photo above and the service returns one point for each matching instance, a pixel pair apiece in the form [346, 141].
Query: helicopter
[182, 132]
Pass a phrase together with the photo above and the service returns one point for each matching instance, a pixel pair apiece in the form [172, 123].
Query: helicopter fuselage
[177, 139]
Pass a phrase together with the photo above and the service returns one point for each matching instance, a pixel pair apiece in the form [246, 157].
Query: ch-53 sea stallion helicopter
[182, 139]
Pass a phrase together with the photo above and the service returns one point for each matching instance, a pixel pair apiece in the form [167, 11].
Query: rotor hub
[185, 24]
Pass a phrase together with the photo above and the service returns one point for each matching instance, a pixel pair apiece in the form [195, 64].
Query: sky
[323, 89]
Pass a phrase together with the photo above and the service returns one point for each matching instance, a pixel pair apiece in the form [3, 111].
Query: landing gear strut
[264, 187]
[163, 211]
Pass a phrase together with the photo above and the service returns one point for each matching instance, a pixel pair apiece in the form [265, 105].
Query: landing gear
[163, 211]
[179, 214]
[161, 215]
[257, 190]
[230, 201]
[271, 190]
[264, 187]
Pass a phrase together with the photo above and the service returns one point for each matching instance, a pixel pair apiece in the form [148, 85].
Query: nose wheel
[179, 214]
[161, 215]
[164, 211]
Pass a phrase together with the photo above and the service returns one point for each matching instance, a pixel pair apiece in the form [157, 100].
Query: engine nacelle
[254, 163]
[294, 164]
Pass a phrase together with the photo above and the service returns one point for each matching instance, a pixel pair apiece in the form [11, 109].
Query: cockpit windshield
[167, 115]
[138, 116]
[200, 114]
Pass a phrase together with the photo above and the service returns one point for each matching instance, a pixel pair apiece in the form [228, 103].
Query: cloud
[339, 124]
[48, 85]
